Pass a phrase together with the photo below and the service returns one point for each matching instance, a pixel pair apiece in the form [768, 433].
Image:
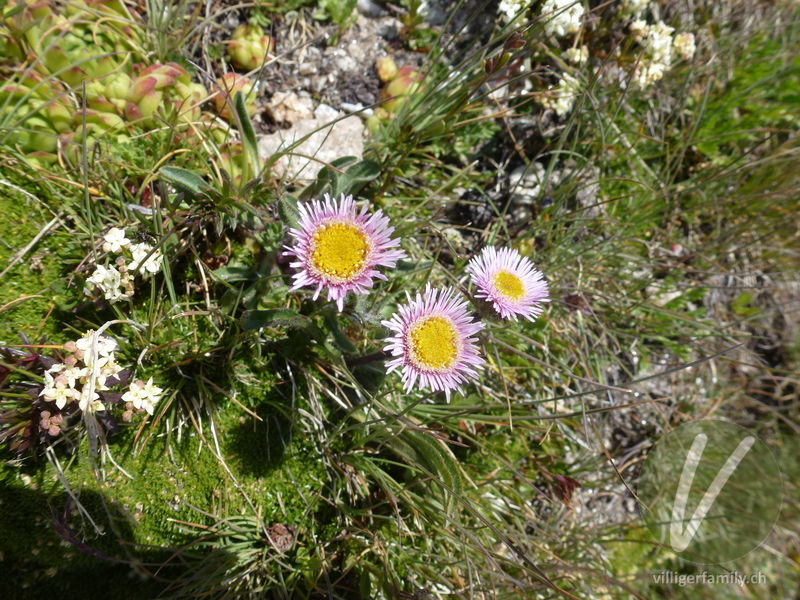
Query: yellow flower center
[339, 251]
[434, 343]
[509, 285]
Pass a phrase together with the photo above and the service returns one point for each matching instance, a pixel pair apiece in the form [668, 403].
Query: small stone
[306, 68]
[370, 9]
[525, 184]
[290, 108]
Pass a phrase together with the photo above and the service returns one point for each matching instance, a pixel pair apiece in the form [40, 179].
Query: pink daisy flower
[510, 282]
[432, 341]
[338, 248]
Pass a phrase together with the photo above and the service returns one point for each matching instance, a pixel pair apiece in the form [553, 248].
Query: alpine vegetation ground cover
[337, 299]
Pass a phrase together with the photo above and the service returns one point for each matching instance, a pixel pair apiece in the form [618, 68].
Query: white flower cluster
[563, 16]
[633, 8]
[71, 381]
[577, 56]
[683, 44]
[657, 44]
[116, 282]
[562, 98]
[143, 396]
[511, 8]
[87, 371]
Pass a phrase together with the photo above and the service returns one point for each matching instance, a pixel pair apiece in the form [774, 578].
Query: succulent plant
[37, 111]
[166, 87]
[229, 84]
[395, 93]
[387, 69]
[232, 159]
[249, 47]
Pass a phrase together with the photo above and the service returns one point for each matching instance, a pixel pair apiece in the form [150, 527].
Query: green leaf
[233, 273]
[331, 321]
[14, 11]
[741, 305]
[257, 319]
[248, 134]
[288, 212]
[437, 459]
[344, 162]
[325, 179]
[185, 181]
[366, 170]
[358, 176]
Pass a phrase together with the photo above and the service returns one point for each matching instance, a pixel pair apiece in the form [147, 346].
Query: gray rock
[525, 184]
[326, 142]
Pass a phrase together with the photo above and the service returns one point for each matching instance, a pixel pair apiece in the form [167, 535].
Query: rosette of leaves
[232, 159]
[90, 126]
[228, 85]
[83, 41]
[21, 20]
[397, 90]
[249, 47]
[34, 113]
[165, 89]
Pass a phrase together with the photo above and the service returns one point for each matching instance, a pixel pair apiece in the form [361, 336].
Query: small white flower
[110, 281]
[563, 17]
[633, 8]
[639, 29]
[58, 390]
[684, 45]
[562, 98]
[105, 345]
[511, 8]
[659, 43]
[115, 240]
[577, 56]
[656, 58]
[56, 368]
[111, 368]
[73, 374]
[89, 403]
[139, 252]
[143, 396]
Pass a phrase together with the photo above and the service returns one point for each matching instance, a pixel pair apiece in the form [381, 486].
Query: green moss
[165, 489]
[25, 290]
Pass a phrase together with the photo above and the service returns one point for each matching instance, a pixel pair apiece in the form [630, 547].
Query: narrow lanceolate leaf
[282, 317]
[257, 319]
[366, 170]
[331, 321]
[287, 211]
[437, 458]
[183, 180]
[247, 132]
[358, 176]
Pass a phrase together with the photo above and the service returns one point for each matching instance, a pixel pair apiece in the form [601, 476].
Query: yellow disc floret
[434, 343]
[339, 251]
[509, 285]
